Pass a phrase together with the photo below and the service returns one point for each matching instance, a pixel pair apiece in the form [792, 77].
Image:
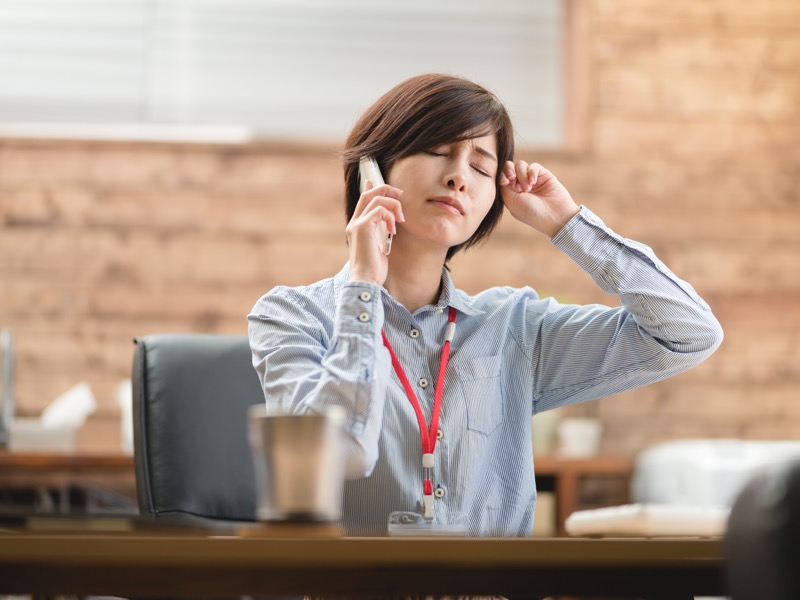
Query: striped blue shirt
[514, 355]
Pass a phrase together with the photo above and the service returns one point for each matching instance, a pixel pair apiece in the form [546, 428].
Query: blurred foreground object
[763, 539]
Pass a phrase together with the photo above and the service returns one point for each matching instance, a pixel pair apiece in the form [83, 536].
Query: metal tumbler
[299, 464]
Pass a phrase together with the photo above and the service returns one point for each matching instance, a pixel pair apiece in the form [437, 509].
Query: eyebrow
[480, 150]
[485, 152]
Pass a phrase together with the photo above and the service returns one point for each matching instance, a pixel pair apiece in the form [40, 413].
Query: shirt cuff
[359, 309]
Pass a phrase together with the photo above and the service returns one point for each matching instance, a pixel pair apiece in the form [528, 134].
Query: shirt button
[439, 493]
[363, 317]
[439, 311]
[414, 333]
[423, 383]
[439, 434]
[366, 296]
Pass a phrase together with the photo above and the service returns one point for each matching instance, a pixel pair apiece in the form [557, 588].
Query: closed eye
[443, 153]
[481, 171]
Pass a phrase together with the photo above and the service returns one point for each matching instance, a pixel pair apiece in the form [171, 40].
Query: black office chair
[762, 542]
[191, 393]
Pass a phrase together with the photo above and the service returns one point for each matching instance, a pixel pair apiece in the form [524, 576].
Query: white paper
[125, 401]
[71, 408]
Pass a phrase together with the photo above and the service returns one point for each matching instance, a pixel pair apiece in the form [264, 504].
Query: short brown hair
[419, 114]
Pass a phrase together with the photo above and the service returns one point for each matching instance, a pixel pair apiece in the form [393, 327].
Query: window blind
[286, 69]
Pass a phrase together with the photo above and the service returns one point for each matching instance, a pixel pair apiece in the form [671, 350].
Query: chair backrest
[191, 393]
[762, 542]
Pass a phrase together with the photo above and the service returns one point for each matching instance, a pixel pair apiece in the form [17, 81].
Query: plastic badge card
[411, 524]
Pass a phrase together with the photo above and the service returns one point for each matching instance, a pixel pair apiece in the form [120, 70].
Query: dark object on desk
[7, 381]
[763, 538]
[191, 393]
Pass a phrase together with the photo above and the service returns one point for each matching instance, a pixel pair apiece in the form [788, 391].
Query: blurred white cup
[579, 436]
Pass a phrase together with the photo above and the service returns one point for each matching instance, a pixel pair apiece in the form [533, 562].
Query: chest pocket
[480, 385]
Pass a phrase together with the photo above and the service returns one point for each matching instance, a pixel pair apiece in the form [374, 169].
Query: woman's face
[447, 191]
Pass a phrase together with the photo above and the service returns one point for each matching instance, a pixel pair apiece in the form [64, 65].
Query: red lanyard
[428, 436]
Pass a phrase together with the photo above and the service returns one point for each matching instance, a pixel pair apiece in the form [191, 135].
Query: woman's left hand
[536, 197]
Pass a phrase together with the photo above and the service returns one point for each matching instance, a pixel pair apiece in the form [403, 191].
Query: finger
[508, 175]
[387, 190]
[381, 214]
[364, 226]
[368, 185]
[523, 176]
[391, 204]
[544, 177]
[382, 203]
[535, 173]
[371, 192]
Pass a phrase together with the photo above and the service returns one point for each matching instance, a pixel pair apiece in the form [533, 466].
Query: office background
[684, 134]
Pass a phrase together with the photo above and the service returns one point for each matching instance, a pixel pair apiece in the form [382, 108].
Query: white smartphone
[368, 170]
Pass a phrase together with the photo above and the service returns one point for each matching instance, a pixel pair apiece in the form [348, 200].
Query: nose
[457, 184]
[455, 177]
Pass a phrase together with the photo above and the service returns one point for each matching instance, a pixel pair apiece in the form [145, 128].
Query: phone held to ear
[368, 170]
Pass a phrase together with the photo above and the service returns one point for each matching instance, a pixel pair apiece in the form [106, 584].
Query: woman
[442, 427]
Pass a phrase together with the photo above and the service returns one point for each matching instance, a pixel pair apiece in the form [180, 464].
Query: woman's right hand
[376, 205]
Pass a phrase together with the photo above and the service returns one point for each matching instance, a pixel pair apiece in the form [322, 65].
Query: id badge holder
[410, 524]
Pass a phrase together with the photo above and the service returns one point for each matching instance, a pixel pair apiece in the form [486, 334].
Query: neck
[414, 281]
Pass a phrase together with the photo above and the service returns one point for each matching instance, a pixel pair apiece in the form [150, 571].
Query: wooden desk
[140, 564]
[568, 472]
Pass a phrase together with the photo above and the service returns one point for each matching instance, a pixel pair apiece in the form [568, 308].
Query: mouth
[449, 204]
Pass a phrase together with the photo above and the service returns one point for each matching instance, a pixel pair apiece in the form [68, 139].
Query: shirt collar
[451, 296]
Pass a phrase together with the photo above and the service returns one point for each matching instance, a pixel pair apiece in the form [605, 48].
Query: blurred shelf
[568, 473]
[45, 481]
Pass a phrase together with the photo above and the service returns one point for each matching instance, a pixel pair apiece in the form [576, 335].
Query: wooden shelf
[110, 471]
[568, 473]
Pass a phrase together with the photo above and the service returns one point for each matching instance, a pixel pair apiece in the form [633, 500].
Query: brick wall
[693, 147]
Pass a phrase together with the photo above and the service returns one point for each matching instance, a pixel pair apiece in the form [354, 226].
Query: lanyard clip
[427, 506]
[427, 500]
